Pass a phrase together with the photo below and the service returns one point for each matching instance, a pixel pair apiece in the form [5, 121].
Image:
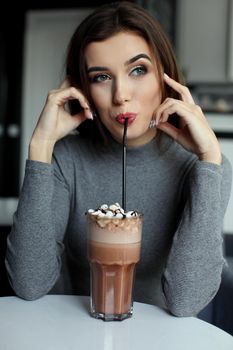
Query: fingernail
[165, 76]
[152, 124]
[89, 115]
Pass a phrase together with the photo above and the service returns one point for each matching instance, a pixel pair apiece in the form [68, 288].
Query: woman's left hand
[195, 134]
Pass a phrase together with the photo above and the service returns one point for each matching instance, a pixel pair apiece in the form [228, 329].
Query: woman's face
[124, 82]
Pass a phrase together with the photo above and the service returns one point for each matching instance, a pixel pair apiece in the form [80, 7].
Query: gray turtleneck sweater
[183, 201]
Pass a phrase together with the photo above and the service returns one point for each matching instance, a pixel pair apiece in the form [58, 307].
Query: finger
[78, 119]
[88, 113]
[62, 96]
[164, 115]
[181, 89]
[169, 129]
[64, 84]
[171, 106]
[159, 110]
[82, 100]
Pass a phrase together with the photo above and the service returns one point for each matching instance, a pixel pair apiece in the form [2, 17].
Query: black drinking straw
[124, 165]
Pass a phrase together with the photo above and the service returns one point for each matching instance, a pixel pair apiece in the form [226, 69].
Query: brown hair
[103, 23]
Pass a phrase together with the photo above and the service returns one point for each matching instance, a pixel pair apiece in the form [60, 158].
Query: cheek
[99, 96]
[150, 95]
[155, 91]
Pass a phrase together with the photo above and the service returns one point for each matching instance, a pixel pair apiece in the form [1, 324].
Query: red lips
[120, 118]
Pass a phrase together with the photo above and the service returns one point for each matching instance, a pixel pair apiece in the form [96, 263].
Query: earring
[152, 124]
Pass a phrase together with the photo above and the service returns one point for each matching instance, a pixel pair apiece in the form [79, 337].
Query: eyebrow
[137, 57]
[128, 62]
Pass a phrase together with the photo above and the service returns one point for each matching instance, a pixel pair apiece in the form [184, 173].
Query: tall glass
[113, 251]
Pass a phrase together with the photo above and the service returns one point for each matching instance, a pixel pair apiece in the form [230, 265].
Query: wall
[204, 43]
[47, 34]
[46, 38]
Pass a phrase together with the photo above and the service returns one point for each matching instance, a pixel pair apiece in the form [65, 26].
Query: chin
[135, 133]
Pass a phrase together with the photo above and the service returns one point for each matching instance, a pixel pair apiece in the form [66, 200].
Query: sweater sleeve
[193, 272]
[35, 243]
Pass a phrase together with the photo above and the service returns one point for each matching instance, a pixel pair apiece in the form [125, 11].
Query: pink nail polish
[89, 115]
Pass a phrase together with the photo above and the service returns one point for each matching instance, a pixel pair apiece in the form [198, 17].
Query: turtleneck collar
[139, 154]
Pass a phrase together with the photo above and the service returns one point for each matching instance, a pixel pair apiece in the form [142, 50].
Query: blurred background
[33, 44]
[32, 53]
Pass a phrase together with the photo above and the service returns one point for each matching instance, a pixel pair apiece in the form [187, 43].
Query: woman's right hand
[56, 122]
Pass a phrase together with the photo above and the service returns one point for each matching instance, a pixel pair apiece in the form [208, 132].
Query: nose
[121, 92]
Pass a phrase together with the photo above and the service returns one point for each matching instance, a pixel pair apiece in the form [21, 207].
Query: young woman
[121, 65]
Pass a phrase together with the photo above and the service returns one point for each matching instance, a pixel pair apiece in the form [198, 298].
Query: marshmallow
[112, 211]
[104, 206]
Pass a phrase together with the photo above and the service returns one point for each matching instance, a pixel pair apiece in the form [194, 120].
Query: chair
[5, 288]
[219, 311]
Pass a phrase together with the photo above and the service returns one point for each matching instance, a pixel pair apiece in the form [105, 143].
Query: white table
[58, 322]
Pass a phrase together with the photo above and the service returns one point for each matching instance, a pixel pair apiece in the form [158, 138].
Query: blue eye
[140, 70]
[100, 78]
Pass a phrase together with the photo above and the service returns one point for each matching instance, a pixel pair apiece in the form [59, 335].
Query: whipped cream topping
[112, 211]
[111, 224]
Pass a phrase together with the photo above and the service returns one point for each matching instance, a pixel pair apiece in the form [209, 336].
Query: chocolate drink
[114, 242]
